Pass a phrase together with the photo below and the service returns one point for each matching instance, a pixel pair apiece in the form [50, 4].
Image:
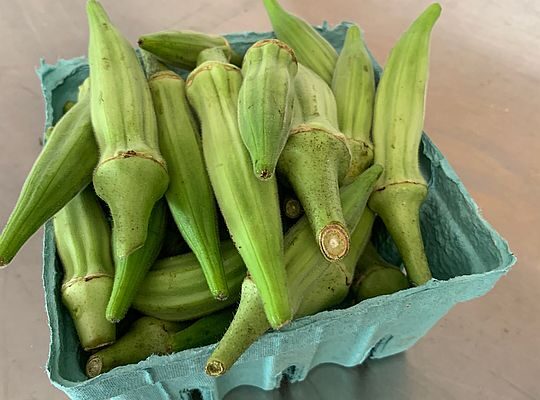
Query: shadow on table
[333, 382]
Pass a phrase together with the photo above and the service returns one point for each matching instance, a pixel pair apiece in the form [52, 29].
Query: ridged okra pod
[175, 288]
[315, 160]
[83, 242]
[62, 170]
[189, 195]
[311, 277]
[183, 48]
[265, 103]
[250, 206]
[148, 336]
[331, 291]
[397, 130]
[376, 277]
[310, 47]
[130, 271]
[353, 85]
[131, 175]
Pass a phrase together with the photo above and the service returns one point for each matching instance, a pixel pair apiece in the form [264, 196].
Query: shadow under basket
[466, 256]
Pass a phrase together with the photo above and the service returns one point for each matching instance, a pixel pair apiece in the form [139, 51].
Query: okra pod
[131, 175]
[250, 206]
[83, 242]
[175, 289]
[145, 337]
[353, 85]
[130, 271]
[310, 47]
[397, 130]
[62, 170]
[150, 336]
[308, 272]
[265, 103]
[376, 277]
[189, 195]
[315, 160]
[183, 48]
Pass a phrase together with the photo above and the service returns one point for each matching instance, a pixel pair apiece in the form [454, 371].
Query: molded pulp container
[466, 255]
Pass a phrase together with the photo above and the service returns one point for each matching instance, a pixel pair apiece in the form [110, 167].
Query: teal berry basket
[467, 257]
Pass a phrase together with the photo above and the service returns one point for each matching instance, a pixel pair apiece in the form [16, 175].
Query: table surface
[483, 112]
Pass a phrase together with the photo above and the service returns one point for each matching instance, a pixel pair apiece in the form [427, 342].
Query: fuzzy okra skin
[131, 175]
[314, 282]
[315, 160]
[376, 277]
[397, 130]
[148, 336]
[310, 47]
[265, 103]
[183, 48]
[353, 85]
[315, 101]
[62, 170]
[189, 195]
[250, 206]
[175, 289]
[83, 242]
[130, 271]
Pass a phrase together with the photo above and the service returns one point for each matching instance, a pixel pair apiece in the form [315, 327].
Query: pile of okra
[215, 208]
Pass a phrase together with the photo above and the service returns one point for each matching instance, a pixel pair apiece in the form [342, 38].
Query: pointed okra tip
[95, 10]
[431, 13]
[148, 41]
[273, 6]
[353, 33]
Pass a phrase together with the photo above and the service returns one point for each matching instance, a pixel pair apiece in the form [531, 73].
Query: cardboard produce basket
[466, 256]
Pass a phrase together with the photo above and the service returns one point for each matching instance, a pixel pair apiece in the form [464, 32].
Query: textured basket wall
[466, 255]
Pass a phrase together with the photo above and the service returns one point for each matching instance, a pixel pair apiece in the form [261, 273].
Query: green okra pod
[331, 290]
[190, 196]
[376, 277]
[315, 101]
[150, 336]
[130, 271]
[83, 242]
[353, 85]
[265, 103]
[183, 48]
[250, 206]
[145, 337]
[175, 289]
[397, 130]
[315, 160]
[311, 277]
[131, 175]
[62, 170]
[310, 47]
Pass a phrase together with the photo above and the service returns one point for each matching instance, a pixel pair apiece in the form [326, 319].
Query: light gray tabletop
[483, 112]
